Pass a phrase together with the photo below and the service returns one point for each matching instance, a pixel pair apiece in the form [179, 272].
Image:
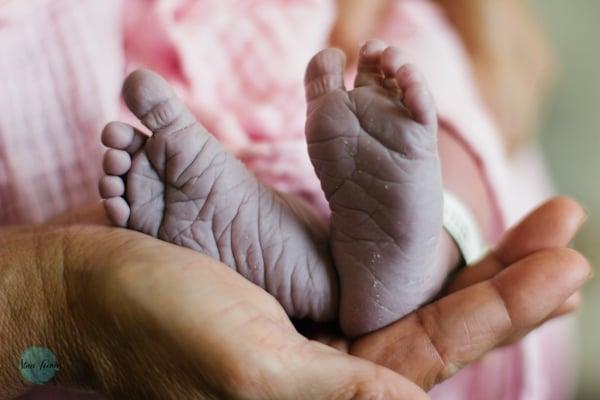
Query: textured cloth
[60, 74]
[239, 66]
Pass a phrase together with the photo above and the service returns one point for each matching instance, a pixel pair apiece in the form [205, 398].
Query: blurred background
[571, 140]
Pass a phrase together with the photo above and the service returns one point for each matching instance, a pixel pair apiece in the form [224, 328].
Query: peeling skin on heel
[379, 168]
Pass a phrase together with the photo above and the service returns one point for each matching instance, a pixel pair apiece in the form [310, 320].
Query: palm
[177, 324]
[193, 315]
[432, 344]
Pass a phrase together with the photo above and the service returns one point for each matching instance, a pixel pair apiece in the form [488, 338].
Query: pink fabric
[239, 66]
[60, 72]
[244, 63]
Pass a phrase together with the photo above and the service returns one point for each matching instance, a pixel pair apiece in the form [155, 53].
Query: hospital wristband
[463, 228]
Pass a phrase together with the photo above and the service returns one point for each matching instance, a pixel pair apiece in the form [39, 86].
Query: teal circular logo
[38, 365]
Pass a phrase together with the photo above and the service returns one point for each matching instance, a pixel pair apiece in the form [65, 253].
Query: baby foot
[180, 185]
[374, 149]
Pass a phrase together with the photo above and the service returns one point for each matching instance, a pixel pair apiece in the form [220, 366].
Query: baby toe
[121, 136]
[117, 210]
[111, 186]
[416, 95]
[116, 162]
[392, 59]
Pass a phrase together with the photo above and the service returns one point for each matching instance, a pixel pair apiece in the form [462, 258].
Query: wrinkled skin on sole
[183, 187]
[375, 151]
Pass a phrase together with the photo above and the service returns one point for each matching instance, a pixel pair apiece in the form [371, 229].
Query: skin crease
[379, 169]
[499, 273]
[105, 306]
[34, 323]
[91, 286]
[226, 200]
[184, 188]
[320, 308]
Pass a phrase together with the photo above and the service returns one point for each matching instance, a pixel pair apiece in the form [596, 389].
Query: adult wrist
[88, 328]
[120, 342]
[33, 314]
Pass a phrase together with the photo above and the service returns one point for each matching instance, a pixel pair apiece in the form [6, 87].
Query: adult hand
[529, 278]
[134, 317]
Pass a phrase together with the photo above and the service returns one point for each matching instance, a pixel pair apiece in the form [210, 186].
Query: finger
[435, 342]
[568, 307]
[553, 224]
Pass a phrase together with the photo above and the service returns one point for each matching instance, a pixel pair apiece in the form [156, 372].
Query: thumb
[330, 374]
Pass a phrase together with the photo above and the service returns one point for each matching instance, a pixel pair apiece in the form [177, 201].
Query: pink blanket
[239, 66]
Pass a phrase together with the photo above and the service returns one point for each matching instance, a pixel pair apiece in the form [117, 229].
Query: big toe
[152, 100]
[325, 73]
